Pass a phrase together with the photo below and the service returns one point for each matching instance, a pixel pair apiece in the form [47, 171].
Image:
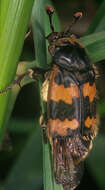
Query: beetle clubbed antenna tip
[49, 9]
[78, 15]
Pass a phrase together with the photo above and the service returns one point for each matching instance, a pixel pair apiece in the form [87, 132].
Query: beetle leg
[43, 124]
[34, 73]
[15, 82]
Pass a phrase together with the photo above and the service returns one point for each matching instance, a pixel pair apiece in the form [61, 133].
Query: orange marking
[90, 91]
[78, 14]
[89, 122]
[59, 92]
[49, 8]
[60, 127]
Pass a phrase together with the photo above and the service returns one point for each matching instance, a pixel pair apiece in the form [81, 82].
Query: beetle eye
[55, 38]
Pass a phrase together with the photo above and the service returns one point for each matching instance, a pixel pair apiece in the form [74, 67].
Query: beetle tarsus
[43, 124]
[35, 73]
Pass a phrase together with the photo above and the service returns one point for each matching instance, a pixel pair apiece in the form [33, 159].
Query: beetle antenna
[76, 17]
[50, 12]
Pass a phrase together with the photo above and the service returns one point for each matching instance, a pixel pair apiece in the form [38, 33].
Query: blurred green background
[21, 160]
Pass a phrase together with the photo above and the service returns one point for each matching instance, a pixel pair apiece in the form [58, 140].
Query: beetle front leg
[34, 73]
[15, 82]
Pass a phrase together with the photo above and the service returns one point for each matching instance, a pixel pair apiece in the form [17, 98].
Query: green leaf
[101, 108]
[11, 39]
[20, 126]
[49, 181]
[98, 22]
[96, 161]
[95, 44]
[4, 5]
[27, 171]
